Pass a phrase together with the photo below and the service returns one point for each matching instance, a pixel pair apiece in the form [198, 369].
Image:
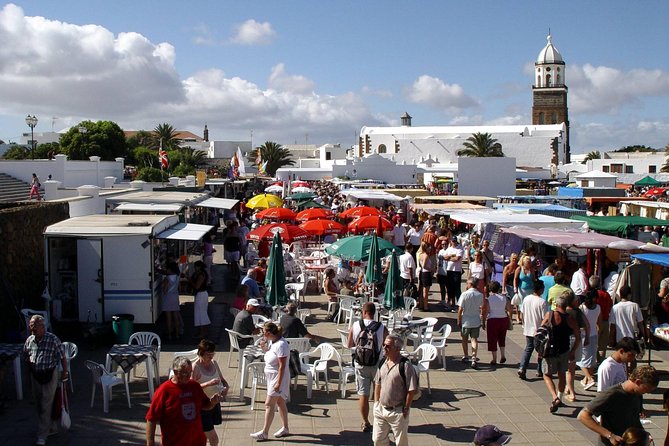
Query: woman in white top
[588, 360]
[477, 271]
[496, 318]
[208, 374]
[277, 352]
[170, 300]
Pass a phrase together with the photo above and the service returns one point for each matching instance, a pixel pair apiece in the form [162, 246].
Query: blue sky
[317, 71]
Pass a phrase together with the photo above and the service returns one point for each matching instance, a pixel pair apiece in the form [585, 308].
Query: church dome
[549, 54]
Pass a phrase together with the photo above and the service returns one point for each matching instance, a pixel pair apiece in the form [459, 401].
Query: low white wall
[69, 173]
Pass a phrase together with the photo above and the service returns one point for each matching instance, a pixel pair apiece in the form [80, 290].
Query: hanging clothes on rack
[637, 276]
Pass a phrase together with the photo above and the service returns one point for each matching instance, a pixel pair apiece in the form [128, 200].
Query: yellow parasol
[264, 201]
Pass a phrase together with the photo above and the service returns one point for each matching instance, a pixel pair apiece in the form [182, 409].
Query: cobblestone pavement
[462, 399]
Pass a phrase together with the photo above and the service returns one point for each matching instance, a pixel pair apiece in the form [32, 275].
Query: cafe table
[13, 352]
[129, 356]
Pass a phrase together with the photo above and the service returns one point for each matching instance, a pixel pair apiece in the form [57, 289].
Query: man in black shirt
[244, 322]
[619, 406]
[292, 325]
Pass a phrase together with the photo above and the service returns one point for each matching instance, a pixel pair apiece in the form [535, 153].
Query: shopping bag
[65, 421]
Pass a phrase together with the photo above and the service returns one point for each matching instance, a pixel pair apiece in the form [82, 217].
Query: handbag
[516, 299]
[65, 421]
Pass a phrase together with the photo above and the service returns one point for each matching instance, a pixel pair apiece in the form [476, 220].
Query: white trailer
[101, 265]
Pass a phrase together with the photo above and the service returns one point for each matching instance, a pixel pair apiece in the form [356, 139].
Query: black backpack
[367, 350]
[543, 339]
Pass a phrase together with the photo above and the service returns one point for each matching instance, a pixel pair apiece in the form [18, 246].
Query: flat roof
[452, 198]
[163, 197]
[112, 224]
[148, 207]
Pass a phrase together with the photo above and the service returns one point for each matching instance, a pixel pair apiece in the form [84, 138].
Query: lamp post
[32, 122]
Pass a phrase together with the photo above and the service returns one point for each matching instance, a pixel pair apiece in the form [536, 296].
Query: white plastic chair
[303, 314]
[190, 354]
[234, 344]
[425, 354]
[257, 372]
[439, 341]
[327, 353]
[259, 320]
[395, 317]
[297, 288]
[71, 351]
[107, 380]
[147, 338]
[409, 304]
[346, 371]
[423, 332]
[345, 310]
[302, 345]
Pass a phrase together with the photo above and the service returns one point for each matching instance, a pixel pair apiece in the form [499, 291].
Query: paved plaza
[462, 399]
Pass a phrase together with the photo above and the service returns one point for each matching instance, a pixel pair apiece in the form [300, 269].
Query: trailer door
[127, 278]
[89, 280]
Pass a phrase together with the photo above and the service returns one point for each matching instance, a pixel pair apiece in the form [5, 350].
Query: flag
[234, 166]
[262, 168]
[162, 156]
[240, 162]
[258, 158]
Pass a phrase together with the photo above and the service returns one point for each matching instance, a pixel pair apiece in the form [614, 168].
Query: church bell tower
[549, 92]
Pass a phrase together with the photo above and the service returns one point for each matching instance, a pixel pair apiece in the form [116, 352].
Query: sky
[316, 72]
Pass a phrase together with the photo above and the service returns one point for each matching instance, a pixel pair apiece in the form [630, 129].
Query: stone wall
[22, 259]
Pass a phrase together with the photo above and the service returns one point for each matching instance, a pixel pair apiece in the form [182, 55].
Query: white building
[631, 167]
[596, 178]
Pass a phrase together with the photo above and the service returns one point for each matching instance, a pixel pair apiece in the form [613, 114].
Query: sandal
[555, 404]
[502, 360]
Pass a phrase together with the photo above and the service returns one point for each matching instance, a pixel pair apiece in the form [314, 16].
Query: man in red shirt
[605, 303]
[177, 405]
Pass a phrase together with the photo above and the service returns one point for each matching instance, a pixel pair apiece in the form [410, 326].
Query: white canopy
[98, 225]
[149, 207]
[367, 194]
[218, 203]
[502, 218]
[185, 231]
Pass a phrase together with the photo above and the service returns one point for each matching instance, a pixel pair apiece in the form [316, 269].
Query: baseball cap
[488, 434]
[253, 302]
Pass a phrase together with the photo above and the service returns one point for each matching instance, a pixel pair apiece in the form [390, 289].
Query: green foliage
[143, 157]
[183, 169]
[102, 138]
[17, 152]
[151, 174]
[168, 134]
[481, 145]
[636, 148]
[275, 154]
[594, 155]
[141, 139]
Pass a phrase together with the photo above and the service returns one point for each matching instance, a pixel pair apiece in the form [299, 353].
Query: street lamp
[32, 122]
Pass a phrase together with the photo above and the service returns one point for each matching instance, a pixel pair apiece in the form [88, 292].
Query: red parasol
[314, 214]
[655, 191]
[370, 222]
[298, 183]
[289, 233]
[276, 214]
[323, 227]
[360, 211]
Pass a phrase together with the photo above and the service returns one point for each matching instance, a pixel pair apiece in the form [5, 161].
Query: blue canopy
[657, 259]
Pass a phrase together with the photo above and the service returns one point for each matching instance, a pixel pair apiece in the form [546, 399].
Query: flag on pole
[162, 156]
[240, 162]
[234, 165]
[258, 158]
[262, 168]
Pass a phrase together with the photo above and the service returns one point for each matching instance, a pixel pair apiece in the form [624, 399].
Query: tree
[102, 138]
[594, 155]
[481, 145]
[167, 134]
[635, 148]
[275, 154]
[17, 152]
[141, 139]
[665, 166]
[144, 157]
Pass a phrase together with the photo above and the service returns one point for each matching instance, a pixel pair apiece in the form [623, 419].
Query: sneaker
[475, 365]
[283, 432]
[259, 436]
[522, 375]
[464, 359]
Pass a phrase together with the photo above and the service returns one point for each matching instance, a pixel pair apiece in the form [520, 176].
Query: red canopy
[323, 227]
[276, 214]
[370, 222]
[299, 184]
[289, 233]
[360, 211]
[655, 191]
[314, 214]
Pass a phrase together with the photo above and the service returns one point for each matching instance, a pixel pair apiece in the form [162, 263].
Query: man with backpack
[365, 338]
[557, 351]
[533, 311]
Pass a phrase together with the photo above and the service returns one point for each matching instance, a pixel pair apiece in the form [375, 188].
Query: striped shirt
[45, 354]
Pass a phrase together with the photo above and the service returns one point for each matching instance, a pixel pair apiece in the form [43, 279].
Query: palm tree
[275, 154]
[167, 134]
[594, 155]
[665, 166]
[481, 145]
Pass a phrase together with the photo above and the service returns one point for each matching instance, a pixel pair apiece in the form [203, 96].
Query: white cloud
[384, 94]
[436, 93]
[254, 33]
[612, 136]
[280, 81]
[606, 90]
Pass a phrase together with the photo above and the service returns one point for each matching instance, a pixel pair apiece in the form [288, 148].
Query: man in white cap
[244, 322]
[490, 435]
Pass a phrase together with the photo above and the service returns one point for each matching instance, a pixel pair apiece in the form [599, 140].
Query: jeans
[527, 354]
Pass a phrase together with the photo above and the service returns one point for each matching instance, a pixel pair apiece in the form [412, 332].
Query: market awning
[185, 231]
[444, 208]
[502, 218]
[656, 259]
[567, 239]
[218, 203]
[618, 224]
[647, 181]
[148, 207]
[366, 194]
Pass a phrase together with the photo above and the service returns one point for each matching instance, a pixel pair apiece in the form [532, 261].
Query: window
[553, 118]
[629, 169]
[538, 81]
[605, 169]
[328, 155]
[616, 168]
[548, 80]
[652, 169]
[541, 118]
[382, 148]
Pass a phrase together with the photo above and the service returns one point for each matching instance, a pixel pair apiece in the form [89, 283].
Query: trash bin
[122, 324]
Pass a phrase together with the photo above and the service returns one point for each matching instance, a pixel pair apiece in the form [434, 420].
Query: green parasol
[301, 196]
[301, 205]
[647, 181]
[373, 271]
[275, 281]
[392, 295]
[357, 248]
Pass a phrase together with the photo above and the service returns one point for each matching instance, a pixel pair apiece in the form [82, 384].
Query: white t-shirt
[441, 262]
[610, 373]
[407, 264]
[278, 349]
[534, 308]
[591, 316]
[470, 302]
[610, 283]
[454, 265]
[477, 270]
[579, 283]
[626, 316]
[414, 236]
[496, 306]
[398, 235]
